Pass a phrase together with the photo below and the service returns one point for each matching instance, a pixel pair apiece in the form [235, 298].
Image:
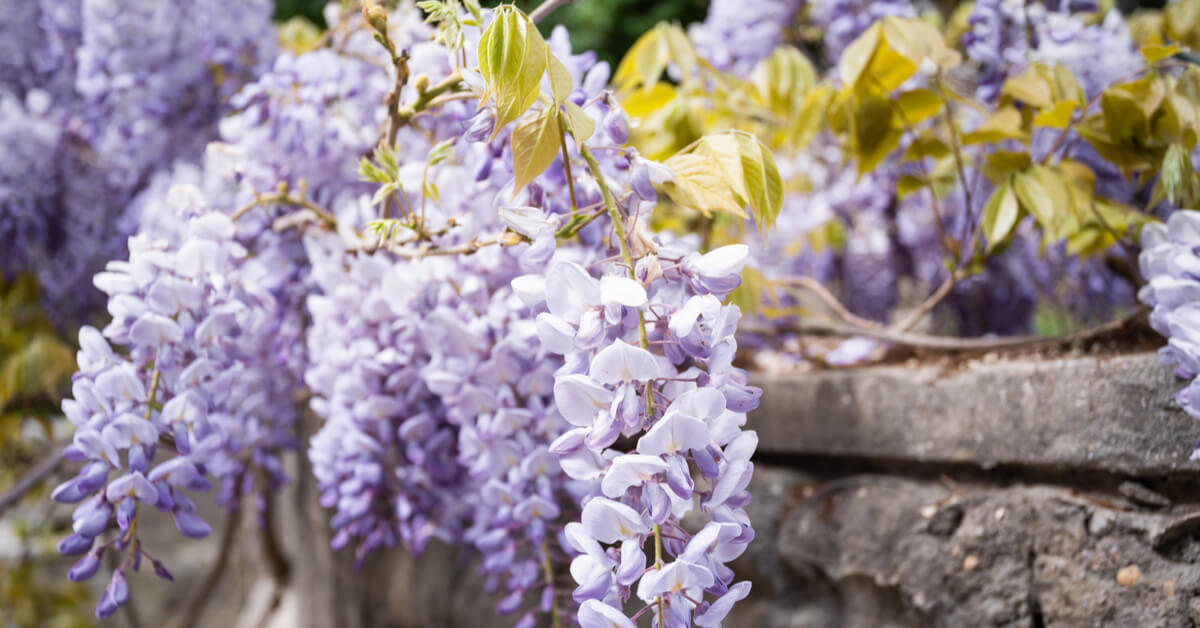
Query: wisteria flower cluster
[196, 402]
[97, 97]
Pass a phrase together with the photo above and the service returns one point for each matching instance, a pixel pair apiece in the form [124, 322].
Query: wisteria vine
[510, 283]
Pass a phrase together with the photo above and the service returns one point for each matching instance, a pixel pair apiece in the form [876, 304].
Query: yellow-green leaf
[1176, 169]
[1005, 124]
[561, 82]
[918, 105]
[764, 186]
[1029, 87]
[1058, 116]
[856, 56]
[512, 60]
[725, 150]
[925, 144]
[909, 183]
[783, 79]
[644, 62]
[812, 116]
[700, 184]
[581, 124]
[1157, 52]
[1000, 215]
[748, 296]
[1123, 117]
[872, 133]
[1002, 163]
[680, 50]
[535, 142]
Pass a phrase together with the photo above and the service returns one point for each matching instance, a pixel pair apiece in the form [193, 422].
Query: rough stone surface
[1039, 557]
[1114, 414]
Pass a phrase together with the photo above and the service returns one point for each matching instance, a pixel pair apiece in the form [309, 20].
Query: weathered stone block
[1114, 414]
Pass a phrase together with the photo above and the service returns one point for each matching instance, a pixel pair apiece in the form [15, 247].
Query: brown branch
[277, 562]
[393, 98]
[546, 8]
[947, 343]
[32, 478]
[189, 615]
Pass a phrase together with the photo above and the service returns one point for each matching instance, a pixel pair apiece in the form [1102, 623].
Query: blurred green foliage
[311, 9]
[611, 26]
[607, 26]
[32, 596]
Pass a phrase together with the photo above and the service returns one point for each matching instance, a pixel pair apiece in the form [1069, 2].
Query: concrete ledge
[1113, 414]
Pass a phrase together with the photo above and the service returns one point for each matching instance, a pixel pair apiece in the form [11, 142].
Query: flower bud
[85, 568]
[375, 16]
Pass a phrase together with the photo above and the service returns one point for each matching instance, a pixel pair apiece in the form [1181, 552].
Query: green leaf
[1048, 196]
[440, 152]
[580, 124]
[873, 134]
[535, 143]
[369, 172]
[1000, 215]
[1123, 117]
[432, 192]
[512, 60]
[1001, 164]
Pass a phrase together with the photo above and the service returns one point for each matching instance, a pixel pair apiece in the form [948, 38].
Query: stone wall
[1014, 493]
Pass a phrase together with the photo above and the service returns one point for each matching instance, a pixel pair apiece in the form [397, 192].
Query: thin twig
[283, 198]
[546, 8]
[928, 304]
[467, 248]
[32, 478]
[956, 147]
[830, 301]
[190, 613]
[403, 115]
